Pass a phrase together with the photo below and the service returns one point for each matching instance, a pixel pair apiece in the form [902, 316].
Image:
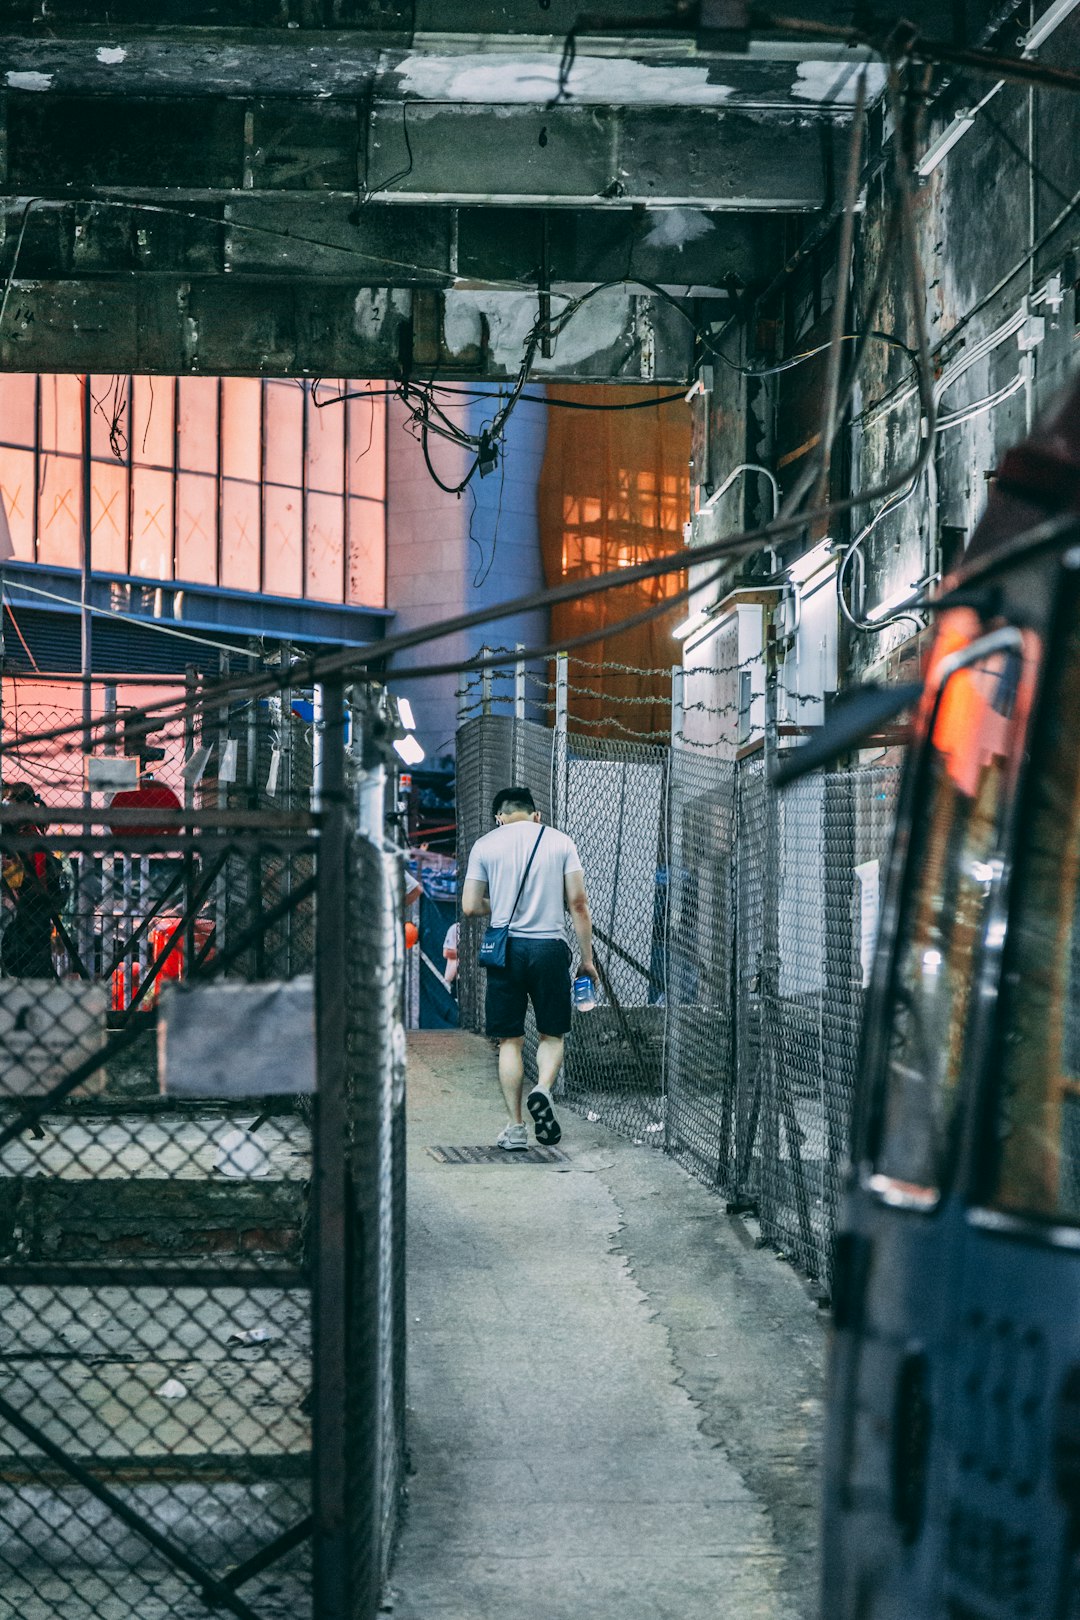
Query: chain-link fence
[611, 798]
[733, 928]
[809, 864]
[701, 1009]
[257, 752]
[201, 1209]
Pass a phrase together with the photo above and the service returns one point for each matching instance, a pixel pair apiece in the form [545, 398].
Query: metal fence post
[678, 690]
[519, 714]
[562, 690]
[519, 683]
[86, 576]
[779, 1104]
[333, 1598]
[485, 682]
[191, 743]
[288, 800]
[765, 1102]
[558, 741]
[317, 744]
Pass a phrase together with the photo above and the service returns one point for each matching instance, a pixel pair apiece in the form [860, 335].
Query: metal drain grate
[496, 1155]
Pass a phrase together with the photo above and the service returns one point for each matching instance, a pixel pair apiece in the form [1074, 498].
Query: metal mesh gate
[611, 799]
[172, 1359]
[702, 1114]
[733, 927]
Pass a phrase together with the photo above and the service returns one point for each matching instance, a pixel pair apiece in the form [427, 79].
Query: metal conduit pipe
[745, 467]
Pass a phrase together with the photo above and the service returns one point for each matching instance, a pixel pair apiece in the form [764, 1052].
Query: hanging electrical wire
[428, 417]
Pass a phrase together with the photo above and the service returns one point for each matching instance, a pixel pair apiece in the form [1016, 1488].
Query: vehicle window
[955, 857]
[1039, 1078]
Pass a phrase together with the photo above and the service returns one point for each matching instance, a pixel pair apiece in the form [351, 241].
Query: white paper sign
[111, 771]
[47, 1029]
[869, 876]
[195, 765]
[237, 1040]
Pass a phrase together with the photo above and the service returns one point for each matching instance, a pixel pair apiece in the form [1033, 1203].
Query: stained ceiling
[291, 187]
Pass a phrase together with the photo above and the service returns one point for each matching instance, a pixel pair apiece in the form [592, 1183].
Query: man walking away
[527, 876]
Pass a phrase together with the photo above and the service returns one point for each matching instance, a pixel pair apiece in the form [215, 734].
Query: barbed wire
[699, 706]
[613, 724]
[663, 672]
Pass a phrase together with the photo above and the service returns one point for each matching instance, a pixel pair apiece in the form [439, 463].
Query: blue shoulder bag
[492, 952]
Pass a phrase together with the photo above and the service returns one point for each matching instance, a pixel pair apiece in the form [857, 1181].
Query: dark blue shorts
[537, 970]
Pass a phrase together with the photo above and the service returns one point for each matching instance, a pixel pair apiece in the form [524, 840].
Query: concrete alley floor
[614, 1405]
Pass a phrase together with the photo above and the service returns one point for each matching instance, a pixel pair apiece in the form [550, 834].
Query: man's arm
[474, 898]
[577, 902]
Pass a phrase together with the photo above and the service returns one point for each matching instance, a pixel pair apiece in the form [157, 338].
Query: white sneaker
[514, 1138]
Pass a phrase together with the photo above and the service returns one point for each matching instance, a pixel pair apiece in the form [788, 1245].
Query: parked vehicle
[953, 1450]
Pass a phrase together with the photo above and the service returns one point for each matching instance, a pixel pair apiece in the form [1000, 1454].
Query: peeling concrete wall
[979, 215]
[1003, 315]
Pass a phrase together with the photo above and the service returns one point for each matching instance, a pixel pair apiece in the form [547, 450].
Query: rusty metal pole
[332, 1277]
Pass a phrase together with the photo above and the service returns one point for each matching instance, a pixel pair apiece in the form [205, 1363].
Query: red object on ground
[155, 796]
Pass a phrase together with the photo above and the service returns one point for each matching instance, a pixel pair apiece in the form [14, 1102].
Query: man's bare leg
[548, 1059]
[549, 1056]
[512, 1074]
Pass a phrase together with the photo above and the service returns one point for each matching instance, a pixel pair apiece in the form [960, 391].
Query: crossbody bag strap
[525, 876]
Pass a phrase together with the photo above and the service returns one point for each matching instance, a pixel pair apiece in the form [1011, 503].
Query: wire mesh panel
[791, 1119]
[158, 1372]
[611, 799]
[700, 962]
[831, 834]
[376, 1125]
[259, 751]
[734, 927]
[742, 1178]
[860, 811]
[155, 1357]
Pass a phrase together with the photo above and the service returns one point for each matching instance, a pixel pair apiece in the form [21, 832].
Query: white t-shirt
[499, 859]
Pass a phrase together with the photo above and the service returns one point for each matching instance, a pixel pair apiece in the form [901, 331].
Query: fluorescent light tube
[409, 749]
[811, 562]
[893, 601]
[696, 621]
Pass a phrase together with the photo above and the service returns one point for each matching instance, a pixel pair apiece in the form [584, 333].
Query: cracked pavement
[614, 1395]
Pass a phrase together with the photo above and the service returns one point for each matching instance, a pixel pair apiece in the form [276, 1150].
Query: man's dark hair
[20, 793]
[511, 799]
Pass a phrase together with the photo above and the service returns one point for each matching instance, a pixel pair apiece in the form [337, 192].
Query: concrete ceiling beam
[251, 328]
[504, 70]
[562, 156]
[330, 239]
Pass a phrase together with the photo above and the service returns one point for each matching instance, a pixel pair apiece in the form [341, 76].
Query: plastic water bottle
[584, 993]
